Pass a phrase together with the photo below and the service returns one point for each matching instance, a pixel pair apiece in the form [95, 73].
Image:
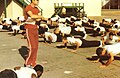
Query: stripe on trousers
[29, 46]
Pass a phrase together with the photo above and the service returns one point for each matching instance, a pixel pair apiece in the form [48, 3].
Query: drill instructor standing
[32, 14]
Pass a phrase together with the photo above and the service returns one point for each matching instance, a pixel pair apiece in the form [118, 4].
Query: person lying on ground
[49, 37]
[77, 42]
[110, 38]
[107, 50]
[28, 72]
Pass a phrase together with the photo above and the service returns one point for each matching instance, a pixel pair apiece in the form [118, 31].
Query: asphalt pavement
[59, 62]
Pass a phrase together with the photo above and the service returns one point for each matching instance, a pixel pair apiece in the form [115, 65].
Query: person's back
[28, 72]
[52, 35]
[72, 40]
[111, 38]
[114, 48]
[25, 72]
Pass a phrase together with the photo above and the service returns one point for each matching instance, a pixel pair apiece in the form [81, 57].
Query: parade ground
[59, 62]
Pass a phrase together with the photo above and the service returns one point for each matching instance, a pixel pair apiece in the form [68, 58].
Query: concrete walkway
[58, 62]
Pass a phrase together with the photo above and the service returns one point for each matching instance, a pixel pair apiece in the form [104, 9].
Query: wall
[14, 10]
[111, 4]
[92, 8]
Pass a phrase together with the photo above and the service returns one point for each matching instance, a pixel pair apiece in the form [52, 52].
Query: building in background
[91, 8]
[3, 5]
[11, 8]
[110, 4]
[14, 8]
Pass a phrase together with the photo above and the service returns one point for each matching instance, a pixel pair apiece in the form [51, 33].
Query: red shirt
[34, 10]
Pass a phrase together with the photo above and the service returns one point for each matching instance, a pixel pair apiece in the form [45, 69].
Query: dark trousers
[87, 43]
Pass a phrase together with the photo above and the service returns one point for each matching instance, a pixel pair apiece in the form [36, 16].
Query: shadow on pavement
[103, 58]
[23, 51]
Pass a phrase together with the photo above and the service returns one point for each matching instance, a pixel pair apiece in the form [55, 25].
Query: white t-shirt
[25, 72]
[80, 29]
[66, 30]
[1, 26]
[108, 20]
[115, 39]
[102, 29]
[78, 23]
[85, 19]
[15, 27]
[72, 40]
[114, 49]
[54, 37]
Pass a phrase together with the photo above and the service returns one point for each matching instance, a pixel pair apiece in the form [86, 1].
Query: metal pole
[5, 5]
[118, 5]
[109, 5]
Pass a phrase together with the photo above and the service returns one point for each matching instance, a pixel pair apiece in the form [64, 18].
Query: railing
[22, 2]
[79, 7]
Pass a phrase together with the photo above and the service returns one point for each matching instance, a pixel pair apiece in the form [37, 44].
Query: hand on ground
[103, 66]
